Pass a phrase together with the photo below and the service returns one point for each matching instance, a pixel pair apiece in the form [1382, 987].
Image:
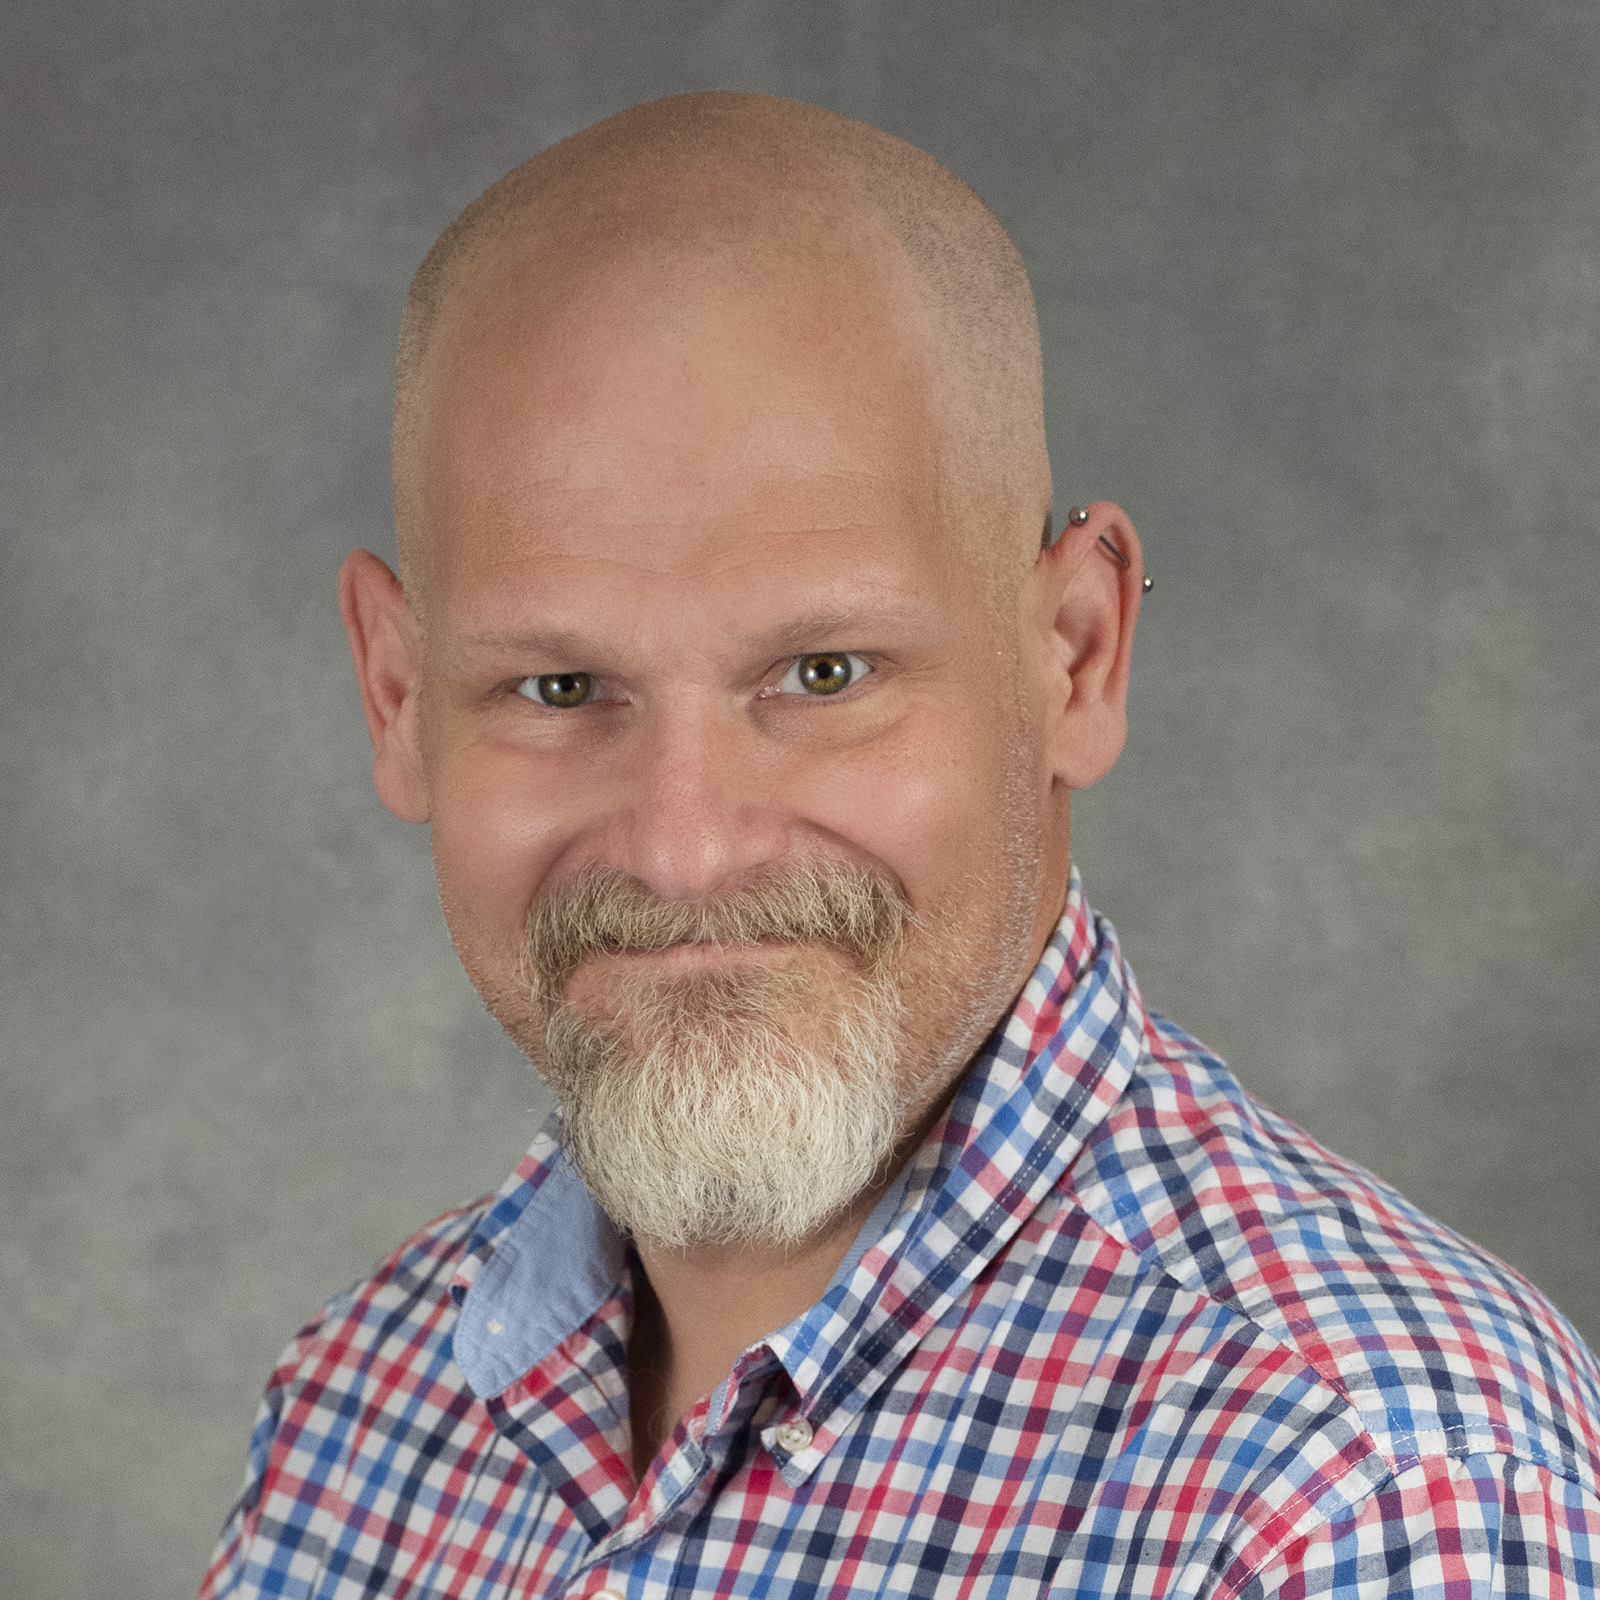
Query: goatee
[729, 1106]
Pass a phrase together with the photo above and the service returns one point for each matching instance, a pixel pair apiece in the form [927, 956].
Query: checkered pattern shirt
[1123, 1332]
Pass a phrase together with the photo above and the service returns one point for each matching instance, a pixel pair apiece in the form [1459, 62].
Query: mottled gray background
[1320, 295]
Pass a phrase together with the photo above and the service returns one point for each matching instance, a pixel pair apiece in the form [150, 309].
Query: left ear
[1087, 606]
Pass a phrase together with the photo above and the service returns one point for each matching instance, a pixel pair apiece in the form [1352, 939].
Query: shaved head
[759, 201]
[720, 476]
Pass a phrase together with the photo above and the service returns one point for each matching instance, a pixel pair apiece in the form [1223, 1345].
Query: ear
[1088, 605]
[384, 648]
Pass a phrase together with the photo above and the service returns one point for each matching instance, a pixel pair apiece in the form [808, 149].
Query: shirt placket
[565, 1417]
[685, 1476]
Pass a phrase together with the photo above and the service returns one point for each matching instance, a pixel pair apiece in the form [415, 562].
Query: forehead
[683, 412]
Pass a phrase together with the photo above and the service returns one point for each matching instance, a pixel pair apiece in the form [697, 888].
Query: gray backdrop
[1320, 296]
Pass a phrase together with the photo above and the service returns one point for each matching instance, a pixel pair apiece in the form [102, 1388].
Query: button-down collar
[545, 1288]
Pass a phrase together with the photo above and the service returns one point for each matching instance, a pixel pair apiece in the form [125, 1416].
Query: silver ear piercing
[1149, 582]
[1076, 517]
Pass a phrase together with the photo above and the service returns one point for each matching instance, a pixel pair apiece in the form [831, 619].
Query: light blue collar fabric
[550, 1271]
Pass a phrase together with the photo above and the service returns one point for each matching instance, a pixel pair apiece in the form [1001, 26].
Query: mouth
[601, 978]
[706, 956]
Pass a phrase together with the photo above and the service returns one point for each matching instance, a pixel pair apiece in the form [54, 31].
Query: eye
[560, 689]
[825, 673]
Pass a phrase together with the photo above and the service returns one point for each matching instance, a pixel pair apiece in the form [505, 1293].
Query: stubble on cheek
[970, 954]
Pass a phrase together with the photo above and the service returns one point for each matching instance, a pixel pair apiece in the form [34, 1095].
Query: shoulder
[398, 1317]
[376, 1358]
[1440, 1349]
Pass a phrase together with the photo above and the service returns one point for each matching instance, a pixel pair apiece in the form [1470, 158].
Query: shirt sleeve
[1451, 1528]
[225, 1575]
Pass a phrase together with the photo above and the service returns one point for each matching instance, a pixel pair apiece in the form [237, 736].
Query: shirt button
[793, 1436]
[607, 1594]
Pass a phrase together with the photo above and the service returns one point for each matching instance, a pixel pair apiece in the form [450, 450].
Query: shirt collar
[544, 1258]
[541, 1262]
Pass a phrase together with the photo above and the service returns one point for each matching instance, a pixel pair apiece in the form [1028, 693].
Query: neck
[695, 1310]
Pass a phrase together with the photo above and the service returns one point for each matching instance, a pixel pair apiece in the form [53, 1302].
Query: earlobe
[1092, 580]
[383, 648]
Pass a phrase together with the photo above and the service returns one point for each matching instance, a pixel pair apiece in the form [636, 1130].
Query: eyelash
[856, 668]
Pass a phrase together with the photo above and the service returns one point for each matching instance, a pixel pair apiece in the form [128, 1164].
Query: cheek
[928, 801]
[949, 808]
[496, 825]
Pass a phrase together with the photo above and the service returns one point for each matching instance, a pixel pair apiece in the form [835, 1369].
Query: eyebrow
[813, 628]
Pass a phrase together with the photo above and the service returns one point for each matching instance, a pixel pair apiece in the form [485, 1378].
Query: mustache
[604, 911]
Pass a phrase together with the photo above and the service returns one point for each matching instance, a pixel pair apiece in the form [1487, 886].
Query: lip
[701, 957]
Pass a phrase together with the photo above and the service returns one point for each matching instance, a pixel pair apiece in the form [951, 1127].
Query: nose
[699, 809]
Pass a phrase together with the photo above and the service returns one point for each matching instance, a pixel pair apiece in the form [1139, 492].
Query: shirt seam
[1407, 1449]
[1323, 1520]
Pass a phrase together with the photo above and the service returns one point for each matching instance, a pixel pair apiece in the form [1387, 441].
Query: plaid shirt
[1119, 1331]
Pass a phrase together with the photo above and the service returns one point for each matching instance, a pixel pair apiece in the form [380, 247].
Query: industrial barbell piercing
[1076, 517]
[1051, 536]
[1122, 560]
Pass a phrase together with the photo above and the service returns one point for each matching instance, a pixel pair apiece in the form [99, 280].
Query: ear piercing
[1076, 517]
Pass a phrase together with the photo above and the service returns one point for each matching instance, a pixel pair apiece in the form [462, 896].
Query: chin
[729, 1106]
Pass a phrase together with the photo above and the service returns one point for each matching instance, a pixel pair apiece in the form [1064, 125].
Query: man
[884, 1243]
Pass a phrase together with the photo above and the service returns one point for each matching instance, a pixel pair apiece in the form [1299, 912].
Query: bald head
[727, 204]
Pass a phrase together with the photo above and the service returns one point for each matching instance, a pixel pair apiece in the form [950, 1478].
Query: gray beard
[730, 1108]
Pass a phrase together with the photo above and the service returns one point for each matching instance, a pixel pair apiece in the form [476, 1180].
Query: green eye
[825, 672]
[561, 689]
